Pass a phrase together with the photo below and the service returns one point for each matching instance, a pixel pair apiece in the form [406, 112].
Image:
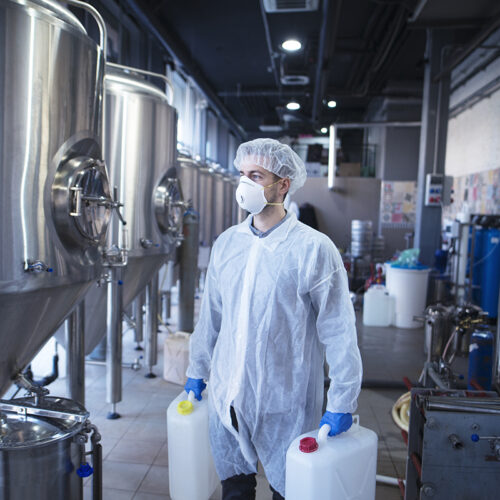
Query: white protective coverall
[270, 309]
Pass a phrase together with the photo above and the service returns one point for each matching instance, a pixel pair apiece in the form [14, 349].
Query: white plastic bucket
[191, 470]
[409, 289]
[342, 467]
[378, 306]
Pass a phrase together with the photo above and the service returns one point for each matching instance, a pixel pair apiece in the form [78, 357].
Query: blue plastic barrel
[481, 354]
[490, 271]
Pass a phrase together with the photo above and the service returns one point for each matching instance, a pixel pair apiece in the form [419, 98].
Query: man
[276, 299]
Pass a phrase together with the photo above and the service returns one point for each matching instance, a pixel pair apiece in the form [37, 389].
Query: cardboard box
[349, 170]
[176, 358]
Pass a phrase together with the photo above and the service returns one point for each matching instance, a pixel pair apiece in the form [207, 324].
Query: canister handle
[149, 73]
[103, 32]
[191, 397]
[325, 429]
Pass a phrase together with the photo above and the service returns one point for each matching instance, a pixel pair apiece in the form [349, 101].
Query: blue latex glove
[196, 385]
[338, 422]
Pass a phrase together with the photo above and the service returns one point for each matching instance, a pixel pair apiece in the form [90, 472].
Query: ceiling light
[293, 106]
[291, 45]
[332, 104]
[324, 130]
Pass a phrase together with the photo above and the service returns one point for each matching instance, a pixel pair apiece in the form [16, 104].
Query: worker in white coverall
[276, 300]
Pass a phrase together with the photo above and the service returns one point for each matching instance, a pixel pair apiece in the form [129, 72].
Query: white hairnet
[274, 156]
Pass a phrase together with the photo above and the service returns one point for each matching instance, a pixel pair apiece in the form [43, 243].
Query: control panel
[438, 190]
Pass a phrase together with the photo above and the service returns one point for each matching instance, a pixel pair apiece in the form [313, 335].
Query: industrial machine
[56, 205]
[453, 445]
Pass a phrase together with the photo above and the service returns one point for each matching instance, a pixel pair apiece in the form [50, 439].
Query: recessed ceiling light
[291, 45]
[331, 104]
[324, 130]
[293, 106]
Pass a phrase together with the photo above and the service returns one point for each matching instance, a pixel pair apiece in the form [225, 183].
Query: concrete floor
[134, 447]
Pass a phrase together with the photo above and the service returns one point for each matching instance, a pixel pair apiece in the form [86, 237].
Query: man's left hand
[338, 422]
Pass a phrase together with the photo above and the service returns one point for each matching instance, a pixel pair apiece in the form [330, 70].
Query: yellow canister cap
[185, 407]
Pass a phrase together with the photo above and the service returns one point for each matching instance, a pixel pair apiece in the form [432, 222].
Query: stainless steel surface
[361, 238]
[219, 204]
[152, 324]
[114, 335]
[140, 135]
[207, 207]
[188, 268]
[452, 447]
[139, 317]
[438, 328]
[39, 455]
[229, 198]
[188, 173]
[50, 143]
[75, 354]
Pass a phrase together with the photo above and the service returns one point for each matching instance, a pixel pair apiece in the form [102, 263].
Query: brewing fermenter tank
[53, 185]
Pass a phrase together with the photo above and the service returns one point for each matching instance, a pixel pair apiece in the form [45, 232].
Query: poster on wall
[398, 204]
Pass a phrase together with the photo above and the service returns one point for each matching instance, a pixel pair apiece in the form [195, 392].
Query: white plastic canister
[378, 306]
[342, 467]
[409, 289]
[191, 470]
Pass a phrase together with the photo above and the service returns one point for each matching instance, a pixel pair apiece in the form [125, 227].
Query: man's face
[276, 192]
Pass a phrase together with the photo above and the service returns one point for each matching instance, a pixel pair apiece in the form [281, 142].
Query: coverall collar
[274, 238]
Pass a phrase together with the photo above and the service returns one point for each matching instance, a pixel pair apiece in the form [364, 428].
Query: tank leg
[152, 326]
[114, 341]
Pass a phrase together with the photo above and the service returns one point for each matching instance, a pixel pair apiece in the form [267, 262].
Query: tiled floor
[134, 447]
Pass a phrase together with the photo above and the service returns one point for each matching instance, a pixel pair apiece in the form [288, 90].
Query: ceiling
[352, 51]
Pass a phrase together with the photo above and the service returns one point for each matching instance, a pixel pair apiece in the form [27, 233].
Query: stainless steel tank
[229, 198]
[206, 205]
[140, 140]
[54, 190]
[188, 173]
[42, 449]
[219, 203]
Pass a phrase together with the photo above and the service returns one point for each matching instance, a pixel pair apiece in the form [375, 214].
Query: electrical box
[438, 190]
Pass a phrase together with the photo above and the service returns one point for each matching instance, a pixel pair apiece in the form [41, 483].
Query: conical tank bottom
[136, 275]
[28, 320]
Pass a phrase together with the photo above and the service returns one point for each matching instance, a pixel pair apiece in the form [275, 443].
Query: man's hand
[338, 422]
[196, 385]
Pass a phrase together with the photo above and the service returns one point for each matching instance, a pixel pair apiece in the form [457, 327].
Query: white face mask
[250, 195]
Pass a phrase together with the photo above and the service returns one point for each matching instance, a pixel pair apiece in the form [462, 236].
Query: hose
[400, 411]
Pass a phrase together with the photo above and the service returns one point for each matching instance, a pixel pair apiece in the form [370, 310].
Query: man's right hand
[196, 385]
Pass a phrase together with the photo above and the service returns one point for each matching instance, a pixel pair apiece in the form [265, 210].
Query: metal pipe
[418, 10]
[103, 32]
[475, 43]
[149, 73]
[187, 271]
[114, 340]
[151, 326]
[97, 476]
[139, 319]
[321, 72]
[75, 354]
[185, 61]
[270, 45]
[436, 378]
[377, 124]
[457, 407]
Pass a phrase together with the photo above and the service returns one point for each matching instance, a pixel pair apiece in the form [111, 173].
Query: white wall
[473, 143]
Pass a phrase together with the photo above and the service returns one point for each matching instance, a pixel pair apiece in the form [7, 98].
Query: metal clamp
[26, 410]
[78, 201]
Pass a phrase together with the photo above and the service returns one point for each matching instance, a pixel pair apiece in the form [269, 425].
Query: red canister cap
[308, 445]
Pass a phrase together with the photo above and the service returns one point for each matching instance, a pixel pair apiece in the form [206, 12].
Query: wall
[356, 198]
[473, 140]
